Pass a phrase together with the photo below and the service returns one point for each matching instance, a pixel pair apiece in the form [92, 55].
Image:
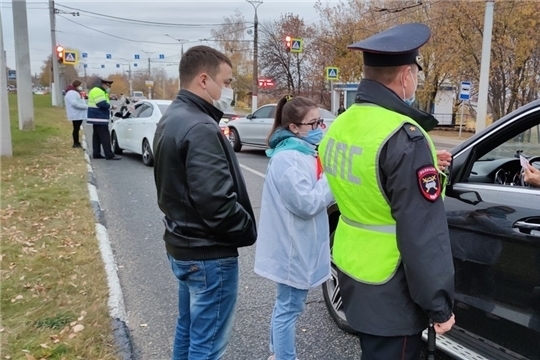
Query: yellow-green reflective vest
[365, 242]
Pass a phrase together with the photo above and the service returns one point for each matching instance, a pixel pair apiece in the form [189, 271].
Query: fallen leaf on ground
[78, 328]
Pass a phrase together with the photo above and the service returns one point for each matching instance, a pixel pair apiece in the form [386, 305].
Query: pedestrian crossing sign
[297, 45]
[332, 73]
[70, 57]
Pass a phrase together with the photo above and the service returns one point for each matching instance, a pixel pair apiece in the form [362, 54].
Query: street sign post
[332, 73]
[464, 95]
[70, 57]
[12, 75]
[465, 90]
[297, 45]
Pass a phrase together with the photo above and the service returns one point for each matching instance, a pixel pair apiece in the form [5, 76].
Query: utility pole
[85, 84]
[182, 42]
[130, 78]
[255, 89]
[149, 72]
[25, 95]
[6, 148]
[56, 92]
[483, 88]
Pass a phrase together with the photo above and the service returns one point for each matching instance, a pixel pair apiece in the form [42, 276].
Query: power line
[115, 36]
[143, 22]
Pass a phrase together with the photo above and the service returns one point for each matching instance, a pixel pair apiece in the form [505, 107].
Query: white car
[253, 130]
[134, 131]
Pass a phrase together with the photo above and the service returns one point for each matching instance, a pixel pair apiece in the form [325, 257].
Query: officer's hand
[444, 158]
[113, 107]
[441, 328]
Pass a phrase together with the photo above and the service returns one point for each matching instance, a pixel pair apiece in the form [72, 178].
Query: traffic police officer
[391, 244]
[99, 106]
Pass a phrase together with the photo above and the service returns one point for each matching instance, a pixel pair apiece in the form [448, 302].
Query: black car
[494, 222]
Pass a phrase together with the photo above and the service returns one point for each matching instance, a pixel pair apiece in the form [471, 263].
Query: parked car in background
[137, 96]
[134, 130]
[253, 129]
[494, 222]
[229, 115]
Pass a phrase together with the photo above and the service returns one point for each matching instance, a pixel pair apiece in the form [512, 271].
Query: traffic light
[288, 43]
[60, 54]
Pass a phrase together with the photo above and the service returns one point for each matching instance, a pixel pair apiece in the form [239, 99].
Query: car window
[145, 111]
[526, 142]
[497, 161]
[325, 114]
[265, 112]
[163, 108]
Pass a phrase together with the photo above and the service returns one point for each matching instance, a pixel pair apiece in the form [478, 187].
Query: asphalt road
[127, 193]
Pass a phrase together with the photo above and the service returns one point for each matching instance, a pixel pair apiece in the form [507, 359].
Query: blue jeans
[290, 303]
[206, 302]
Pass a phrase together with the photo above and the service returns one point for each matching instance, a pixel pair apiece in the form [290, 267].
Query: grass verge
[54, 289]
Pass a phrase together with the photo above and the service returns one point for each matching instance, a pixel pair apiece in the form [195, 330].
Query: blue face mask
[410, 101]
[413, 98]
[314, 137]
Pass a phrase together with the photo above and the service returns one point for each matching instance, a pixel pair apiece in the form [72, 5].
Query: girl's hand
[444, 158]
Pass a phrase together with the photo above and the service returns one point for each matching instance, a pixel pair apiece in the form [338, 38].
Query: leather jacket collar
[203, 105]
[370, 91]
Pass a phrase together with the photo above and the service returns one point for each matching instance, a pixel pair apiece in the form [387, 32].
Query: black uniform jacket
[424, 283]
[200, 186]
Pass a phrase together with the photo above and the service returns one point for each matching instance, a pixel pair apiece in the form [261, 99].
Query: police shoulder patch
[429, 182]
[413, 132]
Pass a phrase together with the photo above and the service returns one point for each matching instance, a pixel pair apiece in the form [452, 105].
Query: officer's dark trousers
[101, 137]
[390, 348]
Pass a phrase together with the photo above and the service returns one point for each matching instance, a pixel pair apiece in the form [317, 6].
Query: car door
[494, 223]
[140, 127]
[252, 131]
[124, 126]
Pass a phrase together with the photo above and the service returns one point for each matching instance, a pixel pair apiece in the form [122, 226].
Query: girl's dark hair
[290, 110]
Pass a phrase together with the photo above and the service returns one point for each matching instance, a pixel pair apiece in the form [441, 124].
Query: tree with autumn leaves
[452, 55]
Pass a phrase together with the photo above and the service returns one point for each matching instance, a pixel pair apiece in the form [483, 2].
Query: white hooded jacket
[76, 107]
[293, 239]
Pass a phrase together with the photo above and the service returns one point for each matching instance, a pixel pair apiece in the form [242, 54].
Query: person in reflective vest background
[391, 245]
[99, 106]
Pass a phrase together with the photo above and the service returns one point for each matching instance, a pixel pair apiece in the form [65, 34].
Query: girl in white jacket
[76, 109]
[293, 242]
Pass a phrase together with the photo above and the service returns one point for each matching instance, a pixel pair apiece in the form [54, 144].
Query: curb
[117, 310]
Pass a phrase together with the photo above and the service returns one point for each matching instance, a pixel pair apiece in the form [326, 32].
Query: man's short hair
[200, 59]
[382, 74]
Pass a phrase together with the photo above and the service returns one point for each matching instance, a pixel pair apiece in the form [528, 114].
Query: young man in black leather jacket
[202, 193]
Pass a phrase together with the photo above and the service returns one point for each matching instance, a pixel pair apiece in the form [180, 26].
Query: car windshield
[163, 108]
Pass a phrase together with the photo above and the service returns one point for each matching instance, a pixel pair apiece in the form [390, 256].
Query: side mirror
[249, 116]
[118, 114]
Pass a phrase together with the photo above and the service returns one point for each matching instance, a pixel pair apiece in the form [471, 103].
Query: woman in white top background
[76, 109]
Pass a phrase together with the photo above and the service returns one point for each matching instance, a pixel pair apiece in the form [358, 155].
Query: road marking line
[252, 170]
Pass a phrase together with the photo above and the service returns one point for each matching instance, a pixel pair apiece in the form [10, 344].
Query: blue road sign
[465, 90]
[103, 66]
[12, 74]
[109, 56]
[135, 65]
[117, 65]
[137, 56]
[161, 56]
[85, 65]
[84, 55]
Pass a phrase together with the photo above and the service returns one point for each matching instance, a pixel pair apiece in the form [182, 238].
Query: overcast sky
[197, 18]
